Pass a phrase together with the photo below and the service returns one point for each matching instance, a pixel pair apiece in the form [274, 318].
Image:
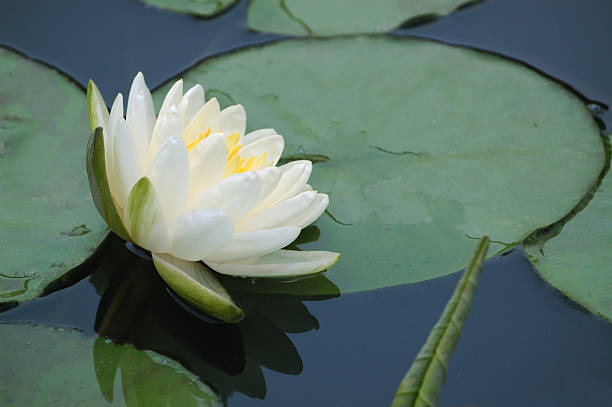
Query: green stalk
[422, 384]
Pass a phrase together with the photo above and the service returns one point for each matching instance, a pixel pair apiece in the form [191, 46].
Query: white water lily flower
[191, 185]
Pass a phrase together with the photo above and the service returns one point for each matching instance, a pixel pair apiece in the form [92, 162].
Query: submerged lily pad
[79, 370]
[578, 260]
[338, 17]
[204, 8]
[48, 223]
[429, 146]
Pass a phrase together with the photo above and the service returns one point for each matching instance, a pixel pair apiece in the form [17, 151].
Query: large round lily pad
[578, 261]
[66, 368]
[338, 17]
[203, 8]
[48, 222]
[429, 146]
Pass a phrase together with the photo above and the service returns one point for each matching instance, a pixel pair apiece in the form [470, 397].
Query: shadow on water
[131, 304]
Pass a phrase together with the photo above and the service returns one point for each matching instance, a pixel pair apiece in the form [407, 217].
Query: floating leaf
[45, 199]
[422, 384]
[197, 285]
[338, 17]
[429, 146]
[68, 375]
[204, 8]
[578, 260]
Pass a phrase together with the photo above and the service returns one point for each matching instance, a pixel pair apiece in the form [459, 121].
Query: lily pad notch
[344, 17]
[574, 255]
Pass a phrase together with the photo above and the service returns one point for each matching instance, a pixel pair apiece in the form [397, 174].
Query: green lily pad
[577, 261]
[203, 8]
[340, 17]
[78, 370]
[429, 146]
[48, 222]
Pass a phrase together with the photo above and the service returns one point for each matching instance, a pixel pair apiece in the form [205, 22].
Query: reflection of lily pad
[579, 260]
[66, 374]
[429, 146]
[48, 223]
[337, 17]
[204, 8]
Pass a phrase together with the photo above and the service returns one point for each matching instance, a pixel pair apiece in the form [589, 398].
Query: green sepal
[144, 217]
[198, 286]
[98, 113]
[98, 184]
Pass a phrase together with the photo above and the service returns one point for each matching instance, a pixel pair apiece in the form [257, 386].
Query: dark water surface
[523, 343]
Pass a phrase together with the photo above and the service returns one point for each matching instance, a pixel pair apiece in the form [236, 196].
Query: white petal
[116, 114]
[140, 117]
[206, 118]
[232, 120]
[144, 218]
[198, 233]
[281, 263]
[272, 145]
[194, 99]
[169, 173]
[257, 134]
[169, 124]
[127, 170]
[235, 195]
[277, 215]
[295, 175]
[173, 97]
[245, 245]
[207, 163]
[269, 180]
[311, 214]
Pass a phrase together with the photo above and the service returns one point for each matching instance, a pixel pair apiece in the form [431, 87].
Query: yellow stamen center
[195, 142]
[235, 164]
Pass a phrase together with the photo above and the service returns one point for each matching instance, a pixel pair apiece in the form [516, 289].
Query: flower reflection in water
[137, 308]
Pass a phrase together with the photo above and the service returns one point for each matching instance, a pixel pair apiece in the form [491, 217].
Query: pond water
[523, 343]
